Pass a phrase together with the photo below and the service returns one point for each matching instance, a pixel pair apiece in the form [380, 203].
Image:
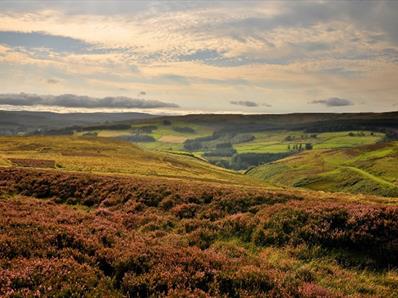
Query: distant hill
[312, 122]
[370, 169]
[13, 122]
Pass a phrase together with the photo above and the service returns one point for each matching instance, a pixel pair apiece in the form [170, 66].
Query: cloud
[245, 103]
[42, 40]
[334, 102]
[52, 81]
[76, 101]
[200, 55]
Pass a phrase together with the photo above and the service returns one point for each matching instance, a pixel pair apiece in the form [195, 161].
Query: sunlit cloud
[200, 55]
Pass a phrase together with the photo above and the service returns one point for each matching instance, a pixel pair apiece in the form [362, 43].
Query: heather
[72, 235]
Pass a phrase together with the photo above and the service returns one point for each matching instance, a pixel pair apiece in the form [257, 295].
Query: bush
[246, 160]
[184, 129]
[137, 138]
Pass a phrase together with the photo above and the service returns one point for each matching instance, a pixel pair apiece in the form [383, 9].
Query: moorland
[89, 211]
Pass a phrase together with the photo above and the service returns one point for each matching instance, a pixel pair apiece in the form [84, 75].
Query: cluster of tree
[246, 160]
[197, 144]
[118, 126]
[137, 138]
[290, 138]
[390, 135]
[222, 149]
[144, 129]
[243, 161]
[184, 129]
[353, 124]
[299, 147]
[223, 137]
[358, 134]
[242, 138]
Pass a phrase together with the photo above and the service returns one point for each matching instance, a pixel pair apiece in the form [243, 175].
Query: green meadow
[371, 169]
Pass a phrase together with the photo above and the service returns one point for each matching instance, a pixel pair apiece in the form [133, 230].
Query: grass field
[168, 139]
[369, 169]
[275, 142]
[104, 155]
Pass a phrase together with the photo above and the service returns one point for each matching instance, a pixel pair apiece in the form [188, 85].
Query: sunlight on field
[109, 156]
[366, 169]
[172, 139]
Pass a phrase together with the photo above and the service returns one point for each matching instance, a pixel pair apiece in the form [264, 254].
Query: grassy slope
[369, 169]
[112, 157]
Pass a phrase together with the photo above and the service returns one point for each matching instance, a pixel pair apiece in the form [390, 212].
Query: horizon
[163, 113]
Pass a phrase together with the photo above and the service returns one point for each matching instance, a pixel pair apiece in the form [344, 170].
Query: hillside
[14, 122]
[226, 145]
[76, 234]
[369, 169]
[95, 217]
[101, 155]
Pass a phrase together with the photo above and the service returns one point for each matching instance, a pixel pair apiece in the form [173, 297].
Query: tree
[289, 138]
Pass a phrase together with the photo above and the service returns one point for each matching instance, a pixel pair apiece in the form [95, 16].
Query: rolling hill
[81, 234]
[94, 217]
[107, 156]
[23, 122]
[371, 169]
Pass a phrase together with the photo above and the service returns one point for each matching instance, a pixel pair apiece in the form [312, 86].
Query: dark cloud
[76, 101]
[42, 40]
[52, 81]
[245, 103]
[334, 102]
[200, 55]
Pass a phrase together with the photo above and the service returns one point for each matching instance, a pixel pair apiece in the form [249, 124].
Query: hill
[22, 122]
[235, 142]
[102, 155]
[95, 217]
[369, 169]
[242, 141]
[78, 234]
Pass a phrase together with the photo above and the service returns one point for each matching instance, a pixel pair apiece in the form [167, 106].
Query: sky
[199, 56]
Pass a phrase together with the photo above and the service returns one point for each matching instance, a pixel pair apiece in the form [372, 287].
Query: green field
[168, 139]
[275, 142]
[371, 169]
